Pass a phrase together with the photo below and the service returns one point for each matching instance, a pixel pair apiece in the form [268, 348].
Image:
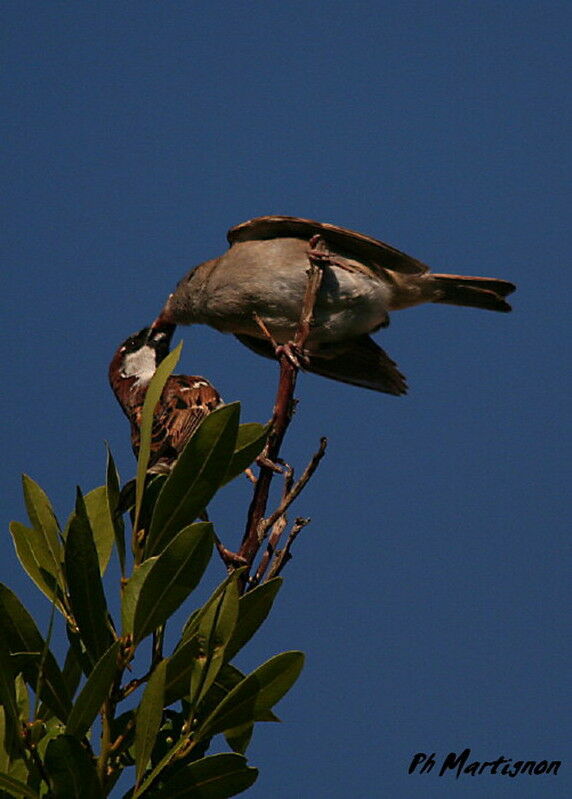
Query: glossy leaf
[98, 511]
[52, 728]
[238, 738]
[93, 693]
[192, 625]
[37, 560]
[18, 630]
[79, 651]
[172, 577]
[195, 477]
[22, 698]
[5, 748]
[213, 777]
[130, 595]
[149, 716]
[17, 788]
[214, 632]
[101, 523]
[71, 770]
[84, 583]
[253, 608]
[152, 397]
[250, 442]
[259, 691]
[181, 661]
[113, 494]
[71, 672]
[42, 517]
[8, 700]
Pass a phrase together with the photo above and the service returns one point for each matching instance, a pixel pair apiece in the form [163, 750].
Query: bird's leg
[297, 359]
[295, 351]
[319, 254]
[319, 257]
[264, 329]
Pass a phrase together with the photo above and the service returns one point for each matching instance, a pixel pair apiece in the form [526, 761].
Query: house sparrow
[263, 278]
[185, 400]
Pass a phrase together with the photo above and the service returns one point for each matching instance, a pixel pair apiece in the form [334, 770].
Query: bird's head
[138, 357]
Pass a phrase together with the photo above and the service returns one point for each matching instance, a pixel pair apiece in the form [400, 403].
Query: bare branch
[284, 555]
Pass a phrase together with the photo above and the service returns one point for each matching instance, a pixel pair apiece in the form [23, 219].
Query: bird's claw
[296, 356]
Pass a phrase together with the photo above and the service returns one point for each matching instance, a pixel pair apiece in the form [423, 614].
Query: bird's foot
[319, 255]
[293, 353]
[318, 251]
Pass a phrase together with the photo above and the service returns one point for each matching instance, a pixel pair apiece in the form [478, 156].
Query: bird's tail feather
[474, 292]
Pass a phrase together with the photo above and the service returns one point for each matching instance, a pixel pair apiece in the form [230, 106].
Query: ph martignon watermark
[462, 764]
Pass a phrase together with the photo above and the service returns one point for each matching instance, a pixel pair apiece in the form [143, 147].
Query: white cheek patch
[140, 364]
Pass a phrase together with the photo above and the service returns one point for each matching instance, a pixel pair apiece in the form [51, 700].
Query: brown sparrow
[184, 402]
[263, 276]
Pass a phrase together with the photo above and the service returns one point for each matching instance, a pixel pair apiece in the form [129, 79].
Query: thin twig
[230, 559]
[277, 520]
[285, 555]
[273, 539]
[295, 491]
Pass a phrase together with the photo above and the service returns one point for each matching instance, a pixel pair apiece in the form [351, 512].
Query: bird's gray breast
[268, 278]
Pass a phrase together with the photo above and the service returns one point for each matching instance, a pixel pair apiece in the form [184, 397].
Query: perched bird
[184, 402]
[263, 276]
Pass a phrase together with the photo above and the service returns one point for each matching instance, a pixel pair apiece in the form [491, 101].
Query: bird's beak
[161, 328]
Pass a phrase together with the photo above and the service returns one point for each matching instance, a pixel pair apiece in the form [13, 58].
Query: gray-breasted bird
[264, 274]
[185, 399]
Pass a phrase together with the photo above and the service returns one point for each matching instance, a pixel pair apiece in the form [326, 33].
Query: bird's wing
[361, 362]
[185, 401]
[376, 254]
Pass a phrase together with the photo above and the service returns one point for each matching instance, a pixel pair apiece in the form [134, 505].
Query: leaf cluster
[160, 723]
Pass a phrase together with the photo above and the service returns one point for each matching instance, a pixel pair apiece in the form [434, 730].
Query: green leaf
[149, 716]
[250, 442]
[8, 700]
[195, 477]
[258, 692]
[113, 495]
[79, 651]
[181, 661]
[22, 698]
[213, 777]
[71, 672]
[214, 632]
[175, 573]
[42, 516]
[71, 770]
[227, 679]
[253, 608]
[37, 561]
[130, 595]
[152, 397]
[17, 788]
[51, 729]
[238, 738]
[94, 693]
[5, 748]
[100, 519]
[18, 630]
[84, 582]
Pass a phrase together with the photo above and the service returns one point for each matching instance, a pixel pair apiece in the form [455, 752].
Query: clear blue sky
[430, 593]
